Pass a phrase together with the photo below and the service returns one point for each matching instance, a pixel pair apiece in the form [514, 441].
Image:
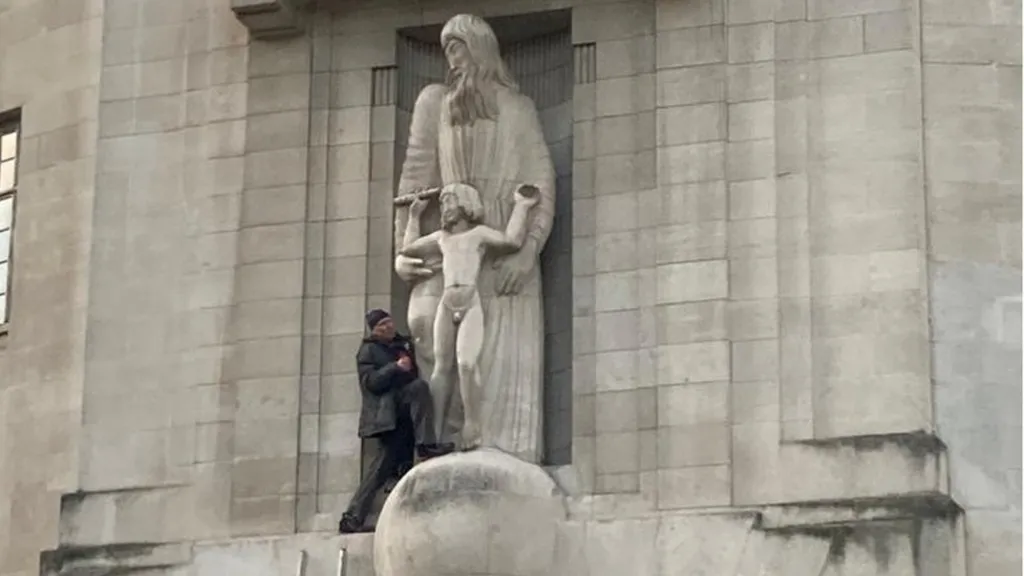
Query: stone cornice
[268, 19]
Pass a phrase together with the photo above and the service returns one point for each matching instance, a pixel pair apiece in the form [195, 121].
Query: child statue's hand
[417, 207]
[527, 195]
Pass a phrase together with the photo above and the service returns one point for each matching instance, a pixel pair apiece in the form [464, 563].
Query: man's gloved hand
[405, 363]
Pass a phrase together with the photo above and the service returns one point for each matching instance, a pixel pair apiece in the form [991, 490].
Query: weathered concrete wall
[148, 103]
[722, 544]
[784, 215]
[972, 142]
[49, 68]
[147, 275]
[173, 268]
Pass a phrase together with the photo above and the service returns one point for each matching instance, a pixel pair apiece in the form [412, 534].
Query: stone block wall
[191, 379]
[727, 543]
[612, 250]
[826, 245]
[971, 74]
[693, 275]
[269, 290]
[356, 249]
[49, 69]
[788, 219]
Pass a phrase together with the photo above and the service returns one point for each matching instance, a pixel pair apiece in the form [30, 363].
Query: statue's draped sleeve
[539, 171]
[420, 169]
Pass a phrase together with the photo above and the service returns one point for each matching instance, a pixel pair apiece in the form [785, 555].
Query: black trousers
[395, 449]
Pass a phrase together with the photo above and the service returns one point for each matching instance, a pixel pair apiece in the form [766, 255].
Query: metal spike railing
[341, 563]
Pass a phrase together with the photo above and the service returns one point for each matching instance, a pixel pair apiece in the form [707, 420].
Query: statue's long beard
[468, 99]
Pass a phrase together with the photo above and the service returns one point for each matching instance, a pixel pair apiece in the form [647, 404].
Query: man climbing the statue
[397, 412]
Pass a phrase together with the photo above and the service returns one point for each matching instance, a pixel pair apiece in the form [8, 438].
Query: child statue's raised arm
[526, 197]
[412, 243]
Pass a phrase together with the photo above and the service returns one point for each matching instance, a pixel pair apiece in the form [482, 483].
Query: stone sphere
[473, 513]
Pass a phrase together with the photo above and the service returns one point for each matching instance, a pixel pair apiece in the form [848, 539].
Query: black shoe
[349, 525]
[403, 469]
[434, 450]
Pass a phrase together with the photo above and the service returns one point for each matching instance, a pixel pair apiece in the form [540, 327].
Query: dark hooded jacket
[379, 380]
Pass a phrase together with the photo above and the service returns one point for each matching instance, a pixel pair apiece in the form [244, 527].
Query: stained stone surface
[722, 543]
[789, 263]
[481, 512]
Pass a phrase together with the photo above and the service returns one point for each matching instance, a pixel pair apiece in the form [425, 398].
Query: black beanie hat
[374, 317]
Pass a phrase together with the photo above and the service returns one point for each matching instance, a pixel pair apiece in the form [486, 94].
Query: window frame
[10, 122]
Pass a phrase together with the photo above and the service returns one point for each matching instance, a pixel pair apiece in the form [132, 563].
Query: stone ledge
[918, 444]
[817, 517]
[114, 558]
[281, 554]
[270, 19]
[90, 519]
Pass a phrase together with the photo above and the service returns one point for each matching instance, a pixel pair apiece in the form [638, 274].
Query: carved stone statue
[459, 322]
[477, 129]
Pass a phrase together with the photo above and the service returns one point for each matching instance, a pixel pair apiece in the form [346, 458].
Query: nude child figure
[459, 323]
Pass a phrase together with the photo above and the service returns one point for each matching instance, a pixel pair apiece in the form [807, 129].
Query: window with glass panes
[8, 188]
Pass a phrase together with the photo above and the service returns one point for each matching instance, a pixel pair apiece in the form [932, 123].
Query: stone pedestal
[481, 513]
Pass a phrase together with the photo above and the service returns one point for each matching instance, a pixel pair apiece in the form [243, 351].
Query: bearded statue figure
[478, 129]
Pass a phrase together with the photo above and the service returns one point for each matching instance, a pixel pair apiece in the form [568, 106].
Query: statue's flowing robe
[495, 157]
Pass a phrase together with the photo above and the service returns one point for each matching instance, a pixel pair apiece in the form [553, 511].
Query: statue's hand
[513, 271]
[527, 195]
[417, 207]
[411, 269]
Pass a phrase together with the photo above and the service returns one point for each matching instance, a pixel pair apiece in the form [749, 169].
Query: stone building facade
[784, 307]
